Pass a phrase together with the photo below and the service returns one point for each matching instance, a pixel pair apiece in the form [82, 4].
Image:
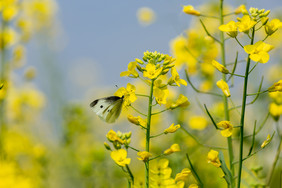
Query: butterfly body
[108, 108]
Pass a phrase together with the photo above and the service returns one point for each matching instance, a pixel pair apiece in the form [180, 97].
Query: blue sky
[100, 37]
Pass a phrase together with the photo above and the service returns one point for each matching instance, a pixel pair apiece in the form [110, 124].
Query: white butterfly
[108, 108]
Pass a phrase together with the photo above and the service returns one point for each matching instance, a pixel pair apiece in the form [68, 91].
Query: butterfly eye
[101, 106]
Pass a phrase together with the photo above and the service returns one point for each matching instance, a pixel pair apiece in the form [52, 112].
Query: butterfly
[108, 108]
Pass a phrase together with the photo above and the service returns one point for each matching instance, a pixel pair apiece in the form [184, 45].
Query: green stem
[148, 136]
[225, 101]
[243, 113]
[130, 174]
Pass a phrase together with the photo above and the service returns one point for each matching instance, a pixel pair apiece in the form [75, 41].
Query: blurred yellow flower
[30, 73]
[275, 110]
[241, 9]
[198, 122]
[267, 141]
[128, 93]
[173, 148]
[146, 16]
[182, 101]
[8, 37]
[183, 175]
[144, 155]
[9, 13]
[219, 67]
[189, 9]
[276, 87]
[230, 28]
[151, 71]
[227, 128]
[172, 128]
[272, 26]
[131, 70]
[276, 96]
[224, 87]
[213, 158]
[245, 23]
[258, 51]
[119, 156]
[206, 85]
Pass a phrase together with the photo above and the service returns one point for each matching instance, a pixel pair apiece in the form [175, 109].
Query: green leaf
[213, 122]
[227, 174]
[253, 140]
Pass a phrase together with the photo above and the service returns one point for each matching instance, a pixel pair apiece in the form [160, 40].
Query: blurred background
[74, 55]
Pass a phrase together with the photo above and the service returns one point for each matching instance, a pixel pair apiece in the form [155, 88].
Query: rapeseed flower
[230, 28]
[219, 67]
[272, 26]
[245, 24]
[172, 128]
[137, 120]
[175, 78]
[276, 87]
[131, 70]
[224, 87]
[258, 51]
[241, 9]
[173, 148]
[160, 92]
[144, 155]
[113, 137]
[151, 71]
[119, 156]
[227, 128]
[128, 93]
[189, 9]
[213, 158]
[183, 175]
[182, 101]
[275, 110]
[267, 141]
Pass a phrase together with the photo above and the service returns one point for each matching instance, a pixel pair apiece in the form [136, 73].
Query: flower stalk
[148, 134]
[242, 122]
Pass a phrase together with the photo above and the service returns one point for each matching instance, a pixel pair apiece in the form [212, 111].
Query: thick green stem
[148, 136]
[226, 108]
[243, 114]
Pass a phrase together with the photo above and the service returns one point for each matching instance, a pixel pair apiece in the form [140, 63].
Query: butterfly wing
[114, 111]
[108, 109]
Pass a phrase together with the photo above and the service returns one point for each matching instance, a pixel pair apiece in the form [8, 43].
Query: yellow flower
[276, 87]
[145, 16]
[219, 67]
[227, 128]
[131, 70]
[275, 110]
[175, 78]
[8, 37]
[224, 87]
[128, 93]
[160, 169]
[183, 175]
[160, 92]
[137, 120]
[267, 141]
[182, 101]
[272, 26]
[213, 158]
[258, 51]
[198, 122]
[144, 155]
[245, 24]
[119, 156]
[151, 71]
[173, 148]
[206, 85]
[189, 9]
[230, 28]
[241, 9]
[9, 13]
[172, 128]
[113, 137]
